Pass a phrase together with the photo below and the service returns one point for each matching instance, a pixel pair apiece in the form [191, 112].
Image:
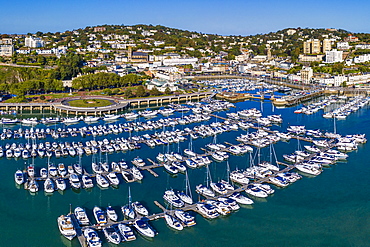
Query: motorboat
[112, 234]
[126, 232]
[81, 216]
[111, 117]
[113, 179]
[111, 213]
[31, 171]
[308, 169]
[136, 173]
[102, 181]
[66, 227]
[60, 184]
[128, 176]
[173, 199]
[221, 207]
[207, 210]
[92, 238]
[239, 177]
[255, 191]
[33, 186]
[87, 182]
[62, 170]
[185, 217]
[239, 198]
[90, 119]
[219, 188]
[99, 215]
[128, 212]
[173, 222]
[49, 186]
[19, 177]
[144, 228]
[203, 190]
[75, 181]
[140, 209]
[185, 197]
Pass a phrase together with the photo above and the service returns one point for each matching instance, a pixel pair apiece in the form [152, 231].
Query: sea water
[331, 209]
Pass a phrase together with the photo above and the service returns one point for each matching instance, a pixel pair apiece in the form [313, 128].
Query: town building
[362, 58]
[343, 46]
[99, 29]
[6, 50]
[306, 74]
[334, 56]
[34, 42]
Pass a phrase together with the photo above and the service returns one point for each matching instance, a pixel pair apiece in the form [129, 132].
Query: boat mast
[228, 171]
[187, 185]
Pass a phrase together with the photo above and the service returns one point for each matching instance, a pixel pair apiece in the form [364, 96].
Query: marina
[223, 141]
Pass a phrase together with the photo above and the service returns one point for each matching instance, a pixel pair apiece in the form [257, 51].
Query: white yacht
[207, 210]
[92, 238]
[81, 216]
[111, 117]
[203, 190]
[126, 232]
[218, 188]
[185, 197]
[113, 179]
[49, 186]
[221, 207]
[144, 228]
[128, 212]
[99, 215]
[111, 213]
[102, 181]
[74, 181]
[60, 184]
[140, 209]
[173, 222]
[308, 169]
[185, 217]
[238, 177]
[66, 227]
[19, 177]
[136, 173]
[255, 191]
[90, 119]
[173, 199]
[239, 198]
[112, 235]
[33, 186]
[87, 182]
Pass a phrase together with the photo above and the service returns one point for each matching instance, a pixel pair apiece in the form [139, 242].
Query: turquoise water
[332, 209]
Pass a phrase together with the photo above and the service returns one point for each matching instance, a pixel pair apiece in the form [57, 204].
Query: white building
[343, 46]
[179, 61]
[291, 31]
[362, 47]
[306, 74]
[6, 50]
[362, 58]
[33, 42]
[334, 56]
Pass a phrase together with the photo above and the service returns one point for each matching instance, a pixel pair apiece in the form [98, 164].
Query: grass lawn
[89, 103]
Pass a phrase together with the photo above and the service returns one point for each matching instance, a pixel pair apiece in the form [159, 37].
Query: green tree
[168, 91]
[140, 91]
[128, 93]
[155, 91]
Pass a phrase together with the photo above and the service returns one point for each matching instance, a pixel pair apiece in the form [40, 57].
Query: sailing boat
[127, 210]
[186, 196]
[204, 190]
[189, 152]
[226, 182]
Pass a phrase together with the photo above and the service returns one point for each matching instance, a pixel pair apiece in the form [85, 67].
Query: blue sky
[218, 17]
